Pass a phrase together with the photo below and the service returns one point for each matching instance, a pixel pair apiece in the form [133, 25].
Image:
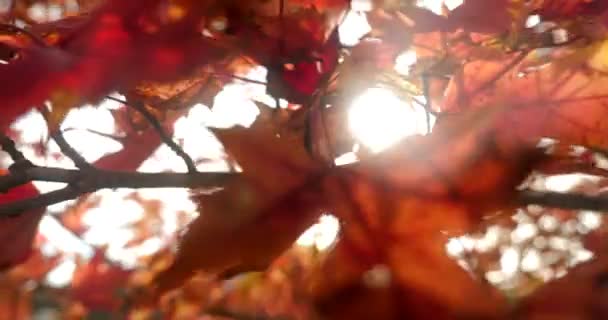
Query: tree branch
[8, 145]
[17, 207]
[85, 181]
[571, 201]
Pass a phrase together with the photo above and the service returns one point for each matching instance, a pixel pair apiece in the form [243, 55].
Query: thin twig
[427, 105]
[119, 139]
[70, 152]
[65, 146]
[165, 137]
[236, 77]
[429, 111]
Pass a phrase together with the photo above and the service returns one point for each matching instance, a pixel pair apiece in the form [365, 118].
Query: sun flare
[379, 119]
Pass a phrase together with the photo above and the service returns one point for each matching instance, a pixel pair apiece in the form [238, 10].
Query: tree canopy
[313, 159]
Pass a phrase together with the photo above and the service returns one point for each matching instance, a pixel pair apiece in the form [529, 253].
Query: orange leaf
[568, 105]
[400, 208]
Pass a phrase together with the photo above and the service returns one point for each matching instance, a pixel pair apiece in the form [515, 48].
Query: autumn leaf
[35, 267]
[298, 59]
[493, 87]
[483, 16]
[18, 232]
[554, 10]
[141, 148]
[17, 302]
[564, 104]
[580, 294]
[137, 147]
[83, 65]
[297, 82]
[97, 283]
[259, 213]
[174, 49]
[399, 218]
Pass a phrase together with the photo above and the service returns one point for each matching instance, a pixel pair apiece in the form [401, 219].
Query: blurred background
[124, 228]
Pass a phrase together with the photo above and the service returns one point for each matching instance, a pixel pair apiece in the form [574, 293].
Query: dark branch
[65, 147]
[70, 152]
[85, 181]
[17, 207]
[8, 145]
[561, 200]
[165, 137]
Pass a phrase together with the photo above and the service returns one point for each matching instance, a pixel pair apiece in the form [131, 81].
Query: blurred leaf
[567, 105]
[98, 283]
[257, 215]
[399, 218]
[17, 233]
[580, 294]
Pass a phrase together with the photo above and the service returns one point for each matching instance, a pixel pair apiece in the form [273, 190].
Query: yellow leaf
[61, 102]
[598, 59]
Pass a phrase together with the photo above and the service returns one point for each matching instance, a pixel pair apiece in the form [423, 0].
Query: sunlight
[322, 234]
[565, 182]
[405, 61]
[233, 106]
[436, 5]
[509, 262]
[60, 239]
[96, 118]
[61, 276]
[379, 119]
[353, 27]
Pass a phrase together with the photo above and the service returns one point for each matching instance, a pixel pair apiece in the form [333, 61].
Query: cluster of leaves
[497, 85]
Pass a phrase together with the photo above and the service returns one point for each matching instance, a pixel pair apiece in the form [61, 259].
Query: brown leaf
[259, 213]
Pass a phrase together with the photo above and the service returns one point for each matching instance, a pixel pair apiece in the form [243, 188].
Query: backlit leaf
[257, 215]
